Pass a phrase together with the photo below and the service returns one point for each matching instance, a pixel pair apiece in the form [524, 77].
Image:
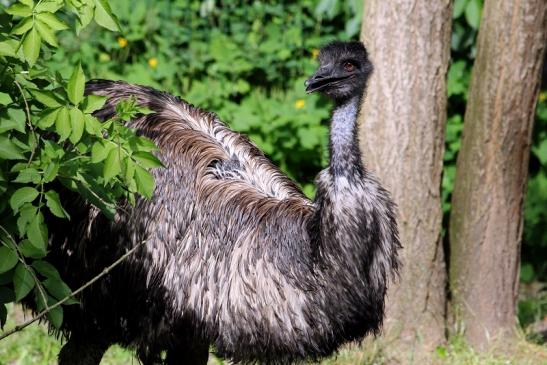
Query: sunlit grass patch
[458, 352]
[34, 346]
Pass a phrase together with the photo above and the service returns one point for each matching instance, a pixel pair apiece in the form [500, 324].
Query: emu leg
[79, 351]
[195, 354]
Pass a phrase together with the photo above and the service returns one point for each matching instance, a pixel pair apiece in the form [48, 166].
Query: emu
[235, 256]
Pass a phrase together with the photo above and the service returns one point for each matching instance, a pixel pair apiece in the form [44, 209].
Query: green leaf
[459, 8]
[46, 33]
[48, 119]
[16, 121]
[7, 48]
[52, 21]
[129, 173]
[92, 125]
[54, 204]
[27, 175]
[77, 125]
[473, 13]
[146, 159]
[31, 46]
[19, 9]
[76, 84]
[29, 250]
[46, 269]
[21, 196]
[48, 6]
[53, 150]
[146, 144]
[50, 172]
[37, 232]
[112, 166]
[62, 124]
[26, 214]
[22, 282]
[104, 16]
[9, 150]
[23, 26]
[8, 259]
[55, 316]
[145, 181]
[93, 103]
[5, 99]
[99, 152]
[85, 16]
[58, 289]
[45, 97]
[29, 3]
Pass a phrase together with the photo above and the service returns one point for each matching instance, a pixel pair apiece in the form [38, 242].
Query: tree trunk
[402, 140]
[491, 175]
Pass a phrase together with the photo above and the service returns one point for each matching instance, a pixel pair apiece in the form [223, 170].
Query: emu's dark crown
[343, 70]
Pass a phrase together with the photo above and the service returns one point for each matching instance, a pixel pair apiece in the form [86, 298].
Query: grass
[456, 352]
[33, 346]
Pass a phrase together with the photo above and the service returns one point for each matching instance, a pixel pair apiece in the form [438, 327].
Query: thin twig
[27, 109]
[77, 291]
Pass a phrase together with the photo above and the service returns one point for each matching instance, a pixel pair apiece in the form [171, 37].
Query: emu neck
[345, 155]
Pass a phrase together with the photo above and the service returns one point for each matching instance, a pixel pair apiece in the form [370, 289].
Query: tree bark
[487, 202]
[402, 139]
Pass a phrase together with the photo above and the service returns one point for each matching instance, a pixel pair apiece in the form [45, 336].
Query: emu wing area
[194, 141]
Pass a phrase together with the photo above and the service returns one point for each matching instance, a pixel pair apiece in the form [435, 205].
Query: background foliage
[245, 60]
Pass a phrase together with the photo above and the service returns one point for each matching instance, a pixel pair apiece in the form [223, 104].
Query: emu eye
[349, 67]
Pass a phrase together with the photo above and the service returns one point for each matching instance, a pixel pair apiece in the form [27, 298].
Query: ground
[33, 346]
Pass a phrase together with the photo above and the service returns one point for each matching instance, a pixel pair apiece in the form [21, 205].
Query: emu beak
[318, 80]
[322, 78]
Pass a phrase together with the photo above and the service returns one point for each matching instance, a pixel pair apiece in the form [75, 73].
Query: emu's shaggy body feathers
[235, 255]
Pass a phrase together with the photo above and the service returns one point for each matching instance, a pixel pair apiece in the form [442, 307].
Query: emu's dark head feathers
[343, 70]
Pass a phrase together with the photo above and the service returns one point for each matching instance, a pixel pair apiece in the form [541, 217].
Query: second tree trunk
[491, 175]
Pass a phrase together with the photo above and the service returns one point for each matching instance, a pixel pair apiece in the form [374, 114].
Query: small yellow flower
[153, 62]
[299, 104]
[543, 96]
[314, 53]
[122, 42]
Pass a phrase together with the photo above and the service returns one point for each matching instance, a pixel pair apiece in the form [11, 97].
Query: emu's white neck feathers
[342, 136]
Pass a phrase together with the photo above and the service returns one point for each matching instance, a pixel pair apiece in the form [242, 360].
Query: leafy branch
[47, 122]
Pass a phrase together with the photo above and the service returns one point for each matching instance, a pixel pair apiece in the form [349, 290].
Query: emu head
[343, 71]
